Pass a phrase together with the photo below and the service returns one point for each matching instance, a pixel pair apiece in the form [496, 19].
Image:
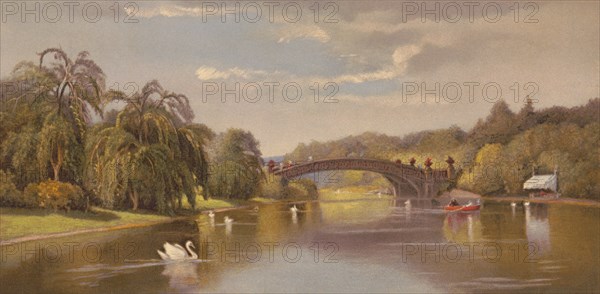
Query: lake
[362, 245]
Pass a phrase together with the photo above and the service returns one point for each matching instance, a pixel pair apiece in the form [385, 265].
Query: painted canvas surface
[299, 146]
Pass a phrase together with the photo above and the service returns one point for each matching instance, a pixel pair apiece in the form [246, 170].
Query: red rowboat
[462, 208]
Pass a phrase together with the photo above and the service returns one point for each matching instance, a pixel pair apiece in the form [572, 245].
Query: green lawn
[18, 222]
[215, 203]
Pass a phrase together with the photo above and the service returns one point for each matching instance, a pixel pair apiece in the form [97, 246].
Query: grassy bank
[25, 224]
[19, 222]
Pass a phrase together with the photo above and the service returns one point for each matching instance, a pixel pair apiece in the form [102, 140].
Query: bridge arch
[423, 181]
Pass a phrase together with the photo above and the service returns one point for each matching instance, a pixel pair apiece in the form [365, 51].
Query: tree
[498, 127]
[526, 118]
[77, 87]
[144, 158]
[236, 165]
[60, 97]
[150, 106]
[485, 176]
[58, 147]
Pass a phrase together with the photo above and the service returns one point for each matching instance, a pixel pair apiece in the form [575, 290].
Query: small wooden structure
[542, 185]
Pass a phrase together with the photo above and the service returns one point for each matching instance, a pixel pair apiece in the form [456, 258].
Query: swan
[294, 209]
[228, 220]
[211, 214]
[526, 203]
[177, 252]
[513, 204]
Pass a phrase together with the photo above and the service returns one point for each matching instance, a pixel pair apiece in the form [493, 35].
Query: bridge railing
[378, 166]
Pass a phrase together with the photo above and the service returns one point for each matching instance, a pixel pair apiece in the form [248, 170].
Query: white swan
[211, 214]
[176, 252]
[228, 220]
[526, 203]
[513, 204]
[294, 209]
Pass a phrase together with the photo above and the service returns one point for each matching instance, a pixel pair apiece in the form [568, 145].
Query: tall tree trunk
[56, 169]
[135, 199]
[56, 165]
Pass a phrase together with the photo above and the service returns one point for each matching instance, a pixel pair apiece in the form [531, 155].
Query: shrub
[9, 194]
[56, 195]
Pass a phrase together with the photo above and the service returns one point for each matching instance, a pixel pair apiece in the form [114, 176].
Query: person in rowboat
[453, 202]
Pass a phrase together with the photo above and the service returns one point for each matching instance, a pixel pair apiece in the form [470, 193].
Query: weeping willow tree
[59, 147]
[193, 141]
[152, 156]
[51, 104]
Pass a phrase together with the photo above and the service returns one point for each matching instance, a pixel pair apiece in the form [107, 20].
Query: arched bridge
[425, 181]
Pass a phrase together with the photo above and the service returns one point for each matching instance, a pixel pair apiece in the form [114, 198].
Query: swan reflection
[228, 225]
[183, 276]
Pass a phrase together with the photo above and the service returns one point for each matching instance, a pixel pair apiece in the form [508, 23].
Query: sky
[294, 72]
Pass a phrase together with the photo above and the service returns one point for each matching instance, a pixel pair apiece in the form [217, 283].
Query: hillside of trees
[496, 156]
[68, 142]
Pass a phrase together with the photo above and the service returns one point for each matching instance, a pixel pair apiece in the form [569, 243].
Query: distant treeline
[496, 156]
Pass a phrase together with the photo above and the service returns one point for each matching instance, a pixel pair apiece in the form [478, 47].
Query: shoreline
[461, 194]
[38, 237]
[565, 200]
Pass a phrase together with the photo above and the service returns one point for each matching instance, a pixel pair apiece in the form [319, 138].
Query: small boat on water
[462, 207]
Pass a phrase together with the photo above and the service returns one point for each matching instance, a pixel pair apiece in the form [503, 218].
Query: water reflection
[372, 237]
[182, 275]
[537, 228]
[461, 227]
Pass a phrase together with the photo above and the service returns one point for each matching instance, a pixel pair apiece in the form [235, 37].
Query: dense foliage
[237, 169]
[68, 142]
[496, 156]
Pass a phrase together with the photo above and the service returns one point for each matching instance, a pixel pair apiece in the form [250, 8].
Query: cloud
[165, 10]
[211, 73]
[401, 58]
[290, 32]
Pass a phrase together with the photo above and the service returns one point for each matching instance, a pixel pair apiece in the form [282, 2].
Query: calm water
[329, 246]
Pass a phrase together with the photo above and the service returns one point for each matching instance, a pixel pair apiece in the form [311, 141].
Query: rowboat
[462, 208]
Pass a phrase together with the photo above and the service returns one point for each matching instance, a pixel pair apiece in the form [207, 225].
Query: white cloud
[165, 10]
[290, 32]
[211, 73]
[401, 57]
